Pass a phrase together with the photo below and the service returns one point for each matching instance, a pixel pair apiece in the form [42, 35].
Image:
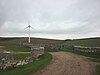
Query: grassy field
[89, 42]
[16, 48]
[18, 40]
[29, 68]
[7, 39]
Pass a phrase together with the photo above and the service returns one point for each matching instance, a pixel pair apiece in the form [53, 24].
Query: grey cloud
[2, 15]
[50, 16]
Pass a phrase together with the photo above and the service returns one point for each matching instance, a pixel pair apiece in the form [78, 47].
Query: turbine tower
[29, 27]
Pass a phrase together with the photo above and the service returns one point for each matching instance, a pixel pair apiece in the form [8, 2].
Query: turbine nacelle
[29, 27]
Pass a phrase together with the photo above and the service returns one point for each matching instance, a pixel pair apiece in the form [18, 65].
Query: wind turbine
[28, 27]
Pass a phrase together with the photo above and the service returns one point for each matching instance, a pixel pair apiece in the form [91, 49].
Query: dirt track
[65, 63]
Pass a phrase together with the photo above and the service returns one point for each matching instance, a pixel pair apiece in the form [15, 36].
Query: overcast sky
[56, 19]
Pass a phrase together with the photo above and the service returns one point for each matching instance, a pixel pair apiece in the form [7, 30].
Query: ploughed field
[89, 42]
[18, 40]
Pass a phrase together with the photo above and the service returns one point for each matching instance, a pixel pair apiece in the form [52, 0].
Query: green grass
[95, 59]
[90, 42]
[16, 48]
[6, 39]
[29, 68]
[98, 70]
[21, 56]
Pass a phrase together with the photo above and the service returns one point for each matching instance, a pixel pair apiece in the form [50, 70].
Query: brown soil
[65, 63]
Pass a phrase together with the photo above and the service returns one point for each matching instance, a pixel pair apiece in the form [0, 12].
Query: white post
[29, 35]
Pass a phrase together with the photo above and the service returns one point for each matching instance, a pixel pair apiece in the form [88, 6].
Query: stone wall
[52, 47]
[49, 46]
[36, 52]
[87, 49]
[13, 63]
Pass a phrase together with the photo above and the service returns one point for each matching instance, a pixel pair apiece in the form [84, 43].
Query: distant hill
[89, 42]
[16, 40]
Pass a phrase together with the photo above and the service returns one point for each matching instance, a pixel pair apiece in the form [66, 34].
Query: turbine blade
[32, 27]
[26, 27]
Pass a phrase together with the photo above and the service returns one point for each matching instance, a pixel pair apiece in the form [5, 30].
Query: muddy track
[65, 63]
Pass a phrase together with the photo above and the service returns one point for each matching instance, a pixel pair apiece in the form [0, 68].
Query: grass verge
[30, 68]
[98, 70]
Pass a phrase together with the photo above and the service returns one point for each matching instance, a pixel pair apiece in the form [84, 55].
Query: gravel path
[65, 63]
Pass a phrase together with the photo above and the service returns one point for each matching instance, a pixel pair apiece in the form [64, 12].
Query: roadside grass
[98, 70]
[31, 67]
[94, 59]
[97, 65]
[52, 50]
[16, 48]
